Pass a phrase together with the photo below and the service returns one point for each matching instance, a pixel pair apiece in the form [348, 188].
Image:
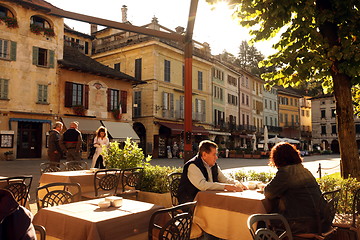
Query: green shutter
[35, 55]
[4, 87]
[52, 58]
[39, 93]
[13, 51]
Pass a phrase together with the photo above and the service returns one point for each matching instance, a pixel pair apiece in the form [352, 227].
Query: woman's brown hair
[283, 154]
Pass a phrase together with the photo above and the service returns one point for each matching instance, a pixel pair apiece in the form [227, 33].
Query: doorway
[29, 141]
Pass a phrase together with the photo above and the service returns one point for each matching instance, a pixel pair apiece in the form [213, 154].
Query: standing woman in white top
[100, 140]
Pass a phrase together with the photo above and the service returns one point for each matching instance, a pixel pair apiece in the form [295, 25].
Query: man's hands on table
[235, 188]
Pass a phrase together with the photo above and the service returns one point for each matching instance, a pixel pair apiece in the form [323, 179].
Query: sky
[214, 25]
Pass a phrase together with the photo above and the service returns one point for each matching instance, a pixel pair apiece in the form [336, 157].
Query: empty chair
[172, 223]
[20, 187]
[130, 178]
[54, 194]
[269, 226]
[51, 167]
[106, 183]
[174, 181]
[75, 165]
[40, 232]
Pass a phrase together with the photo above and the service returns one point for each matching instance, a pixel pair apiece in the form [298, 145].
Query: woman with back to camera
[294, 192]
[100, 140]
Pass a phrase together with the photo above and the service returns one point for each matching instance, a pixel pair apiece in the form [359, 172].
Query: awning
[29, 120]
[86, 126]
[120, 131]
[220, 133]
[179, 128]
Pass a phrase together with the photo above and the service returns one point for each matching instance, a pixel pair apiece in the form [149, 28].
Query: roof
[288, 91]
[322, 96]
[74, 59]
[37, 4]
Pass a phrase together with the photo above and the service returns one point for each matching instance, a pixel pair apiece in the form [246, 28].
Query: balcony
[274, 129]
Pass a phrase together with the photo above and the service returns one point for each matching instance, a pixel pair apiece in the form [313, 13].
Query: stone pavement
[330, 163]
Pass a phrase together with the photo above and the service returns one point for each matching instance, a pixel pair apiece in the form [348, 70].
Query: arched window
[4, 12]
[39, 21]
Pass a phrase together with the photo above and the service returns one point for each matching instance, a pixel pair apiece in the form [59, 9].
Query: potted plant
[49, 32]
[247, 153]
[9, 155]
[79, 110]
[36, 29]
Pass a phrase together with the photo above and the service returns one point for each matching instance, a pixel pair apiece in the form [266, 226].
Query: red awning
[179, 128]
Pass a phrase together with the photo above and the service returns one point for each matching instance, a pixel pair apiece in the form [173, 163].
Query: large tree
[249, 58]
[320, 40]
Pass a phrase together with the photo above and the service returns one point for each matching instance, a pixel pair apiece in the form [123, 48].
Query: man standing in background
[54, 149]
[71, 142]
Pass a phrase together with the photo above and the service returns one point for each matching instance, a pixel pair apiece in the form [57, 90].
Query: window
[243, 119]
[274, 106]
[247, 119]
[286, 118]
[4, 88]
[4, 12]
[281, 118]
[357, 128]
[7, 50]
[333, 113]
[307, 113]
[40, 22]
[86, 51]
[323, 113]
[7, 140]
[302, 112]
[333, 129]
[296, 102]
[137, 104]
[42, 93]
[266, 104]
[76, 94]
[114, 99]
[323, 129]
[266, 120]
[275, 122]
[168, 104]
[138, 69]
[292, 120]
[242, 98]
[43, 57]
[291, 101]
[271, 121]
[247, 100]
[117, 66]
[166, 71]
[200, 80]
[270, 105]
[297, 119]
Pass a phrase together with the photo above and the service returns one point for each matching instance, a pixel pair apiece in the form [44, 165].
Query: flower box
[162, 199]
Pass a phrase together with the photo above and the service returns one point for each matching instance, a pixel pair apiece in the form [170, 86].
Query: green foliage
[252, 176]
[154, 178]
[129, 157]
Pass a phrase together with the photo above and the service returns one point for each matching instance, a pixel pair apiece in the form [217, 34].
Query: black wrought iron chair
[19, 186]
[172, 223]
[75, 165]
[174, 181]
[106, 183]
[268, 229]
[40, 232]
[130, 178]
[54, 194]
[51, 167]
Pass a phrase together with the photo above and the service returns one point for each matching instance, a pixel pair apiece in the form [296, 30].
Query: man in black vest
[71, 142]
[202, 173]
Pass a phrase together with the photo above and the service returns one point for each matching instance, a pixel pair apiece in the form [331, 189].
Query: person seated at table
[294, 192]
[202, 173]
[15, 220]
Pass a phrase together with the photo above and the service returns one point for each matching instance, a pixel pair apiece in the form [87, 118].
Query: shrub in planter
[252, 176]
[154, 178]
[128, 157]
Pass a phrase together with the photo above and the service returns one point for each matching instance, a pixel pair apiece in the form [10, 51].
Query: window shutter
[108, 100]
[123, 101]
[35, 55]
[4, 87]
[45, 96]
[51, 58]
[68, 94]
[39, 93]
[13, 51]
[203, 106]
[86, 96]
[196, 105]
[171, 104]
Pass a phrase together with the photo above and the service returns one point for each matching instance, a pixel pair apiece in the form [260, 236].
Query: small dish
[114, 201]
[104, 204]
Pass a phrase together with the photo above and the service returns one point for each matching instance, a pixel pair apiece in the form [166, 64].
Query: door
[29, 141]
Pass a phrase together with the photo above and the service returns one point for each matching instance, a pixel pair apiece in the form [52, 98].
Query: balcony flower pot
[10, 22]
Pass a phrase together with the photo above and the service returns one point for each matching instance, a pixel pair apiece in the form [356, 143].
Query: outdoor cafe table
[86, 221]
[84, 177]
[225, 214]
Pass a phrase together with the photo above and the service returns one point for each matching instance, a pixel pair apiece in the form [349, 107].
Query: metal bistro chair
[106, 182]
[269, 231]
[54, 194]
[75, 165]
[46, 167]
[130, 178]
[174, 181]
[20, 187]
[177, 225]
[40, 231]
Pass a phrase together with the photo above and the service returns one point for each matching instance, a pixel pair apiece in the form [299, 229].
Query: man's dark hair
[205, 146]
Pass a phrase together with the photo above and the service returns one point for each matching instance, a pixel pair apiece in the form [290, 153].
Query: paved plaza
[329, 164]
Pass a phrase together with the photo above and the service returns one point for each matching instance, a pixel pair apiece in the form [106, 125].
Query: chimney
[180, 30]
[93, 28]
[124, 13]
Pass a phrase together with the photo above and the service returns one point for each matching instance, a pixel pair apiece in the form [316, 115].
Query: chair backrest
[76, 165]
[106, 180]
[174, 182]
[51, 167]
[275, 223]
[332, 198]
[356, 208]
[20, 187]
[41, 230]
[178, 225]
[130, 177]
[54, 194]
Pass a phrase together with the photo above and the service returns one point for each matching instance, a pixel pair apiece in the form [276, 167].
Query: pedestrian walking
[71, 142]
[54, 148]
[100, 140]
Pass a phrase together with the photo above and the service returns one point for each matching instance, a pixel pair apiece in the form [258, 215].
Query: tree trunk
[350, 164]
